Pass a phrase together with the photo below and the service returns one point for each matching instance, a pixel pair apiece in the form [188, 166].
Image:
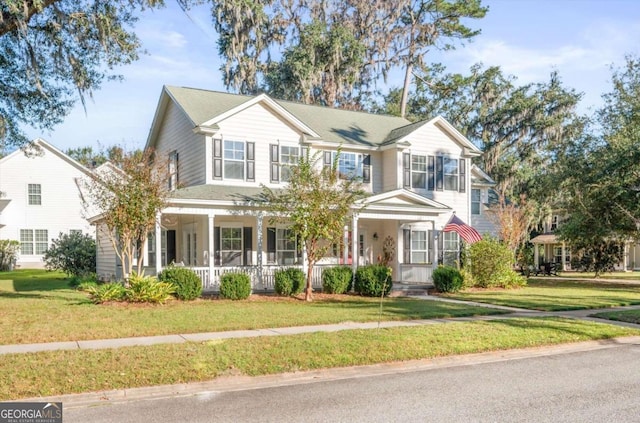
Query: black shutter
[406, 170]
[431, 173]
[430, 235]
[440, 259]
[366, 168]
[271, 245]
[327, 159]
[251, 163]
[217, 159]
[439, 173]
[247, 241]
[406, 237]
[462, 186]
[274, 160]
[216, 245]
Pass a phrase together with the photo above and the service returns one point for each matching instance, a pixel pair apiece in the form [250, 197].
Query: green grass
[557, 295]
[629, 316]
[631, 276]
[40, 307]
[63, 372]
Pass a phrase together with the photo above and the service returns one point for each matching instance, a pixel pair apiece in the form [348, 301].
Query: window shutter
[274, 160]
[271, 245]
[366, 168]
[406, 170]
[406, 237]
[216, 245]
[327, 159]
[247, 242]
[462, 168]
[439, 173]
[251, 161]
[440, 259]
[430, 235]
[431, 173]
[217, 159]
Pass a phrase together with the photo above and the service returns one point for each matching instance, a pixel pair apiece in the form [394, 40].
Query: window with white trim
[450, 248]
[231, 246]
[34, 241]
[173, 170]
[418, 171]
[286, 248]
[475, 201]
[233, 159]
[349, 165]
[289, 156]
[35, 194]
[419, 247]
[451, 175]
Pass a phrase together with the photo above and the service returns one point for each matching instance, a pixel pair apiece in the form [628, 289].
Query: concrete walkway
[210, 336]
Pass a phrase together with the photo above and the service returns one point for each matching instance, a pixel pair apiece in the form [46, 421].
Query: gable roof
[204, 109]
[40, 143]
[479, 177]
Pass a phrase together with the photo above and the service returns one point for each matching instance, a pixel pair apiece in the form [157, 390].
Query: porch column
[536, 258]
[158, 240]
[564, 256]
[345, 243]
[355, 244]
[436, 253]
[259, 218]
[625, 257]
[212, 252]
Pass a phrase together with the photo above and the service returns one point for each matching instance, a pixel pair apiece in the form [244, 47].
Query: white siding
[481, 222]
[106, 258]
[260, 125]
[391, 168]
[176, 134]
[61, 208]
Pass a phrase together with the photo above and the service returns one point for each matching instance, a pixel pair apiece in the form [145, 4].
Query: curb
[242, 383]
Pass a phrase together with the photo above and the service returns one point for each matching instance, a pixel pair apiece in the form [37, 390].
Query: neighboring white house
[39, 199]
[220, 147]
[482, 198]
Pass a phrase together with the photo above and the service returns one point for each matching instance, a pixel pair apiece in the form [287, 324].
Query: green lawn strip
[631, 276]
[40, 310]
[629, 316]
[64, 372]
[547, 295]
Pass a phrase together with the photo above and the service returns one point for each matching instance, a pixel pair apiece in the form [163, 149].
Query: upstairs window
[451, 174]
[289, 156]
[350, 165]
[35, 194]
[233, 160]
[475, 201]
[419, 171]
[173, 170]
[434, 173]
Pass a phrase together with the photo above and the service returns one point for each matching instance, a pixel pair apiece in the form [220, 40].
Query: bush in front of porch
[373, 280]
[289, 281]
[235, 286]
[186, 282]
[337, 280]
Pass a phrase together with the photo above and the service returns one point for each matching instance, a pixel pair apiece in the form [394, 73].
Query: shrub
[8, 253]
[373, 280]
[112, 291]
[186, 282]
[491, 265]
[235, 286]
[289, 281]
[87, 285]
[447, 279]
[148, 289]
[337, 280]
[74, 254]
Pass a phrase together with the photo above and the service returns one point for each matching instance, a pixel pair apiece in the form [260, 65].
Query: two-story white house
[40, 199]
[221, 147]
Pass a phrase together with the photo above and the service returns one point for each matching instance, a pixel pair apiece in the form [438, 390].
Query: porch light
[375, 236]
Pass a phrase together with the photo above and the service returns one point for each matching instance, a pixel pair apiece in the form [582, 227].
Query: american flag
[465, 231]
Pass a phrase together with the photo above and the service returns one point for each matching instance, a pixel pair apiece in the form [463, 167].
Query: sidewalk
[295, 330]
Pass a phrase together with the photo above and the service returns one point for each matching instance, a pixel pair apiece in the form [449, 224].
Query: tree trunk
[308, 295]
[405, 90]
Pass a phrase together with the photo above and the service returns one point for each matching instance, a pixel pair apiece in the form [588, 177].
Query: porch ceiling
[241, 195]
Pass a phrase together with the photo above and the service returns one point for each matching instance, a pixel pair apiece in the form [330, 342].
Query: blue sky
[527, 38]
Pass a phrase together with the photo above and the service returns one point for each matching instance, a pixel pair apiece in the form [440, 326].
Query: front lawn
[557, 295]
[631, 276]
[629, 316]
[64, 372]
[38, 306]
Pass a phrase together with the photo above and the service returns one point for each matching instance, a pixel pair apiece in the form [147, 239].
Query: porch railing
[268, 276]
[416, 273]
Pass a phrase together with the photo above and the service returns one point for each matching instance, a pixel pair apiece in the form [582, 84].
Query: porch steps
[405, 290]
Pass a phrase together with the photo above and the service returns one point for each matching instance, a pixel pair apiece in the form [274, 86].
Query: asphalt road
[593, 386]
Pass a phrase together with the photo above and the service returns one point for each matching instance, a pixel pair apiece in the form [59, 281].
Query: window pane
[418, 257]
[234, 159]
[285, 247]
[42, 241]
[288, 156]
[475, 201]
[450, 174]
[26, 241]
[35, 194]
[349, 165]
[233, 170]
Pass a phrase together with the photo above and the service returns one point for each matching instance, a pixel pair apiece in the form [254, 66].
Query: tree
[334, 51]
[55, 52]
[74, 254]
[9, 249]
[316, 204]
[513, 220]
[129, 202]
[91, 158]
[601, 178]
